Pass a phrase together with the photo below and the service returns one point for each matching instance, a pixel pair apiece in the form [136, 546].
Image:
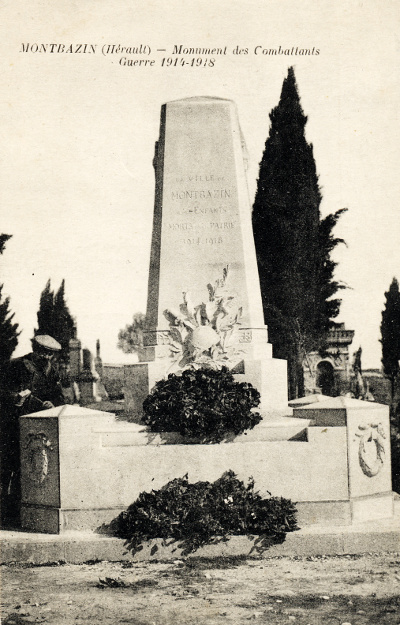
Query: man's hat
[46, 342]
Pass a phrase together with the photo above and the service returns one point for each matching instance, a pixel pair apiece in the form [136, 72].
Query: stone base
[267, 375]
[36, 519]
[378, 506]
[358, 510]
[382, 535]
[139, 379]
[79, 547]
[57, 521]
[309, 513]
[80, 467]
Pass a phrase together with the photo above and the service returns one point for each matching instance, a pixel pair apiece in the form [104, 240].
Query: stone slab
[56, 521]
[268, 376]
[379, 506]
[316, 513]
[126, 434]
[334, 411]
[94, 474]
[77, 547]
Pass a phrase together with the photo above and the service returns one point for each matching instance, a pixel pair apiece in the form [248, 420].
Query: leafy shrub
[197, 513]
[203, 403]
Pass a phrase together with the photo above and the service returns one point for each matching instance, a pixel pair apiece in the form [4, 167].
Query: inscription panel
[204, 208]
[202, 213]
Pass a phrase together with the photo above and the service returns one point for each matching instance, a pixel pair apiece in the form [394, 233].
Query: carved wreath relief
[371, 449]
[37, 458]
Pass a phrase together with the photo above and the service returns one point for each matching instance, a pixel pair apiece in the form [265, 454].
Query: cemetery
[80, 467]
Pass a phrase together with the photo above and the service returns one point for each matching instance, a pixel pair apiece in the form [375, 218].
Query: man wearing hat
[28, 384]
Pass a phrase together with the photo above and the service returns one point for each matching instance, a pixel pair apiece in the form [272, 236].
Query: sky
[78, 133]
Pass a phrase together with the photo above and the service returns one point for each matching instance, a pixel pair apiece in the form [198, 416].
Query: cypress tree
[45, 314]
[63, 321]
[293, 244]
[54, 317]
[390, 334]
[8, 329]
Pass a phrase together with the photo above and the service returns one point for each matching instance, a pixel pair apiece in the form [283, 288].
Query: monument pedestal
[80, 468]
[201, 226]
[366, 435]
[139, 379]
[266, 375]
[63, 479]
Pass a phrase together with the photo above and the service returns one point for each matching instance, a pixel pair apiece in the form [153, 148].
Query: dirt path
[341, 590]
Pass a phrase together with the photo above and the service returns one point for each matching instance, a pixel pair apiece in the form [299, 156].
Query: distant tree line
[130, 338]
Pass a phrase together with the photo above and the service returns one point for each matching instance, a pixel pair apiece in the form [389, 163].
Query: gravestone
[100, 390]
[75, 356]
[202, 223]
[87, 379]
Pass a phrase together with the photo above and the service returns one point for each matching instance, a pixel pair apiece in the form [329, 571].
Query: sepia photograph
[200, 312]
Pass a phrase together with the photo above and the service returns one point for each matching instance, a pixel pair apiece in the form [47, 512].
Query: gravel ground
[341, 590]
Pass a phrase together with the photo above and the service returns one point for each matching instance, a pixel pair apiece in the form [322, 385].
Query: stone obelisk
[202, 223]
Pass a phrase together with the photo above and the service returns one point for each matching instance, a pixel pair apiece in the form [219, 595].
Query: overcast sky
[78, 135]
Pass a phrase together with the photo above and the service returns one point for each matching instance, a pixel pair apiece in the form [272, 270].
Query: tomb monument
[81, 467]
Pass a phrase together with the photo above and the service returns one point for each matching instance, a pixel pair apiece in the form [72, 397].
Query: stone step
[77, 547]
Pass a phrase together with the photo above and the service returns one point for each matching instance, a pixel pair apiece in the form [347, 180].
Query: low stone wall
[113, 380]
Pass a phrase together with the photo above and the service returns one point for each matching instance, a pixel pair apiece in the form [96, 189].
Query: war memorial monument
[81, 467]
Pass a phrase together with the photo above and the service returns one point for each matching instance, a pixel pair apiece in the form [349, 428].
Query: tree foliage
[45, 314]
[130, 339]
[8, 329]
[54, 317]
[390, 334]
[293, 244]
[3, 240]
